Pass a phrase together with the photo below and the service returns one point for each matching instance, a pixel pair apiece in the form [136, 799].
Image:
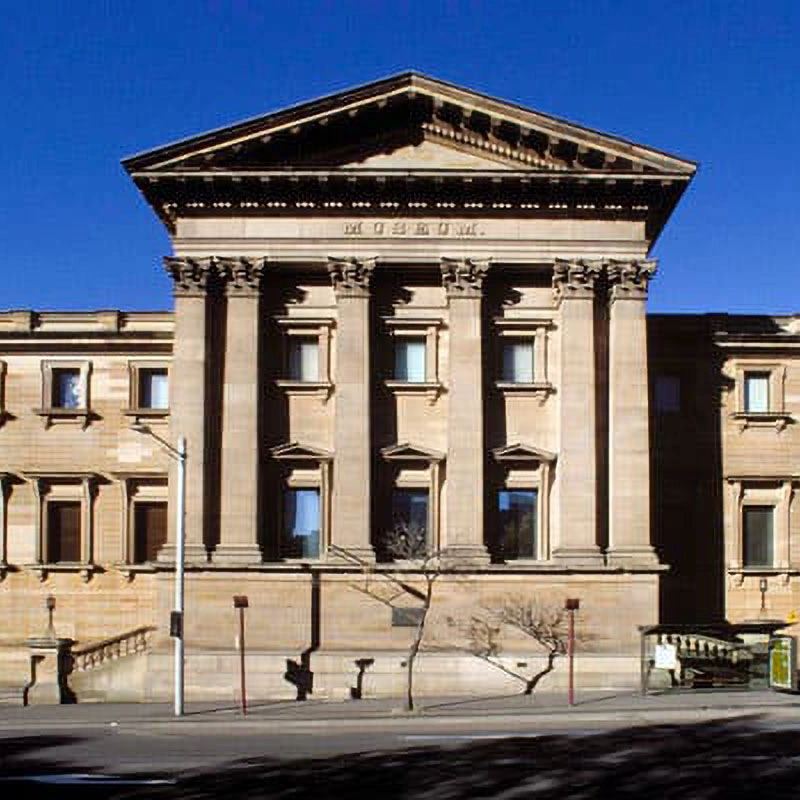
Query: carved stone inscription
[368, 229]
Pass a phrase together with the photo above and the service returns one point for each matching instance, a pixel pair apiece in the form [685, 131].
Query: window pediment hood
[523, 452]
[409, 452]
[300, 452]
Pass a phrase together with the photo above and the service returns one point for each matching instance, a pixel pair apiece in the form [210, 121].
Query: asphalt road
[754, 757]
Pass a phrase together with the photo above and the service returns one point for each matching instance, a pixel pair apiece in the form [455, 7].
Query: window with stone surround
[306, 356]
[413, 477]
[148, 389]
[65, 392]
[145, 515]
[64, 522]
[758, 545]
[304, 487]
[415, 356]
[759, 396]
[521, 531]
[522, 356]
[758, 523]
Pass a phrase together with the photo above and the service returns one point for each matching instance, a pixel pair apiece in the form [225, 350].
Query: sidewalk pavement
[609, 707]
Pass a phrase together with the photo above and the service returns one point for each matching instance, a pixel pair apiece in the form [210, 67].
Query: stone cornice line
[464, 278]
[351, 277]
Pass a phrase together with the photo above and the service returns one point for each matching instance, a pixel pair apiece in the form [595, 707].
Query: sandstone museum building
[408, 304]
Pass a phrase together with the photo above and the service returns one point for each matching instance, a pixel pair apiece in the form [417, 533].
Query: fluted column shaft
[239, 481]
[188, 401]
[352, 480]
[628, 420]
[464, 536]
[576, 539]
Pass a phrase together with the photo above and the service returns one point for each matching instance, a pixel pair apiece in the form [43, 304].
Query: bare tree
[405, 543]
[545, 623]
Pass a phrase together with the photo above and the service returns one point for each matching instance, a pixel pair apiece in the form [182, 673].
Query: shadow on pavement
[736, 759]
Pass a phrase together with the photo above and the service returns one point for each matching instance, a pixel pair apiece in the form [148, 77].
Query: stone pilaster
[628, 417]
[351, 523]
[463, 540]
[576, 539]
[188, 400]
[239, 469]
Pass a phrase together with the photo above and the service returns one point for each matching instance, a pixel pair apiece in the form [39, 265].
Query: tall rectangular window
[756, 392]
[410, 510]
[518, 361]
[668, 393]
[301, 524]
[758, 546]
[518, 532]
[304, 359]
[149, 530]
[66, 388]
[153, 388]
[63, 532]
[409, 359]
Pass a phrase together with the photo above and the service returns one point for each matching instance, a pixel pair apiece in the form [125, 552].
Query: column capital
[464, 278]
[241, 276]
[191, 276]
[351, 277]
[629, 280]
[575, 279]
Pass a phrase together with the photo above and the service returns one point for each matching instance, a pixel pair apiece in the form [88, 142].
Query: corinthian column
[463, 540]
[575, 541]
[239, 478]
[351, 525]
[628, 417]
[188, 400]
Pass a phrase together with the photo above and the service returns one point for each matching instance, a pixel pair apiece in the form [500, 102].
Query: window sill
[131, 570]
[54, 416]
[432, 389]
[538, 390]
[150, 414]
[321, 389]
[762, 419]
[85, 569]
[738, 574]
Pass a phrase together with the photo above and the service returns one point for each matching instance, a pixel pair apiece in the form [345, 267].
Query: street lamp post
[176, 620]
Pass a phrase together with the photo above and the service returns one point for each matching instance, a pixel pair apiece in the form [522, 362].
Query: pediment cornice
[404, 451]
[295, 451]
[347, 128]
[523, 452]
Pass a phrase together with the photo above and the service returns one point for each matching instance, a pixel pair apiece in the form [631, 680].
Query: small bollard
[240, 601]
[572, 604]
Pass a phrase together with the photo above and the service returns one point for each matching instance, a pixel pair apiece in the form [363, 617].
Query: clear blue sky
[83, 84]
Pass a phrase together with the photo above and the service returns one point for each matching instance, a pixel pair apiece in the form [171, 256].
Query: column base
[579, 556]
[465, 555]
[235, 555]
[632, 556]
[192, 554]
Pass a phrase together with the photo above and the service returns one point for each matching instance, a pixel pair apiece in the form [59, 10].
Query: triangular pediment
[300, 452]
[522, 452]
[409, 452]
[408, 122]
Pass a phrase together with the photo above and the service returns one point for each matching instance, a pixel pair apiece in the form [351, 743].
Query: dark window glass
[63, 532]
[153, 388]
[758, 549]
[149, 530]
[517, 523]
[410, 509]
[67, 389]
[301, 524]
